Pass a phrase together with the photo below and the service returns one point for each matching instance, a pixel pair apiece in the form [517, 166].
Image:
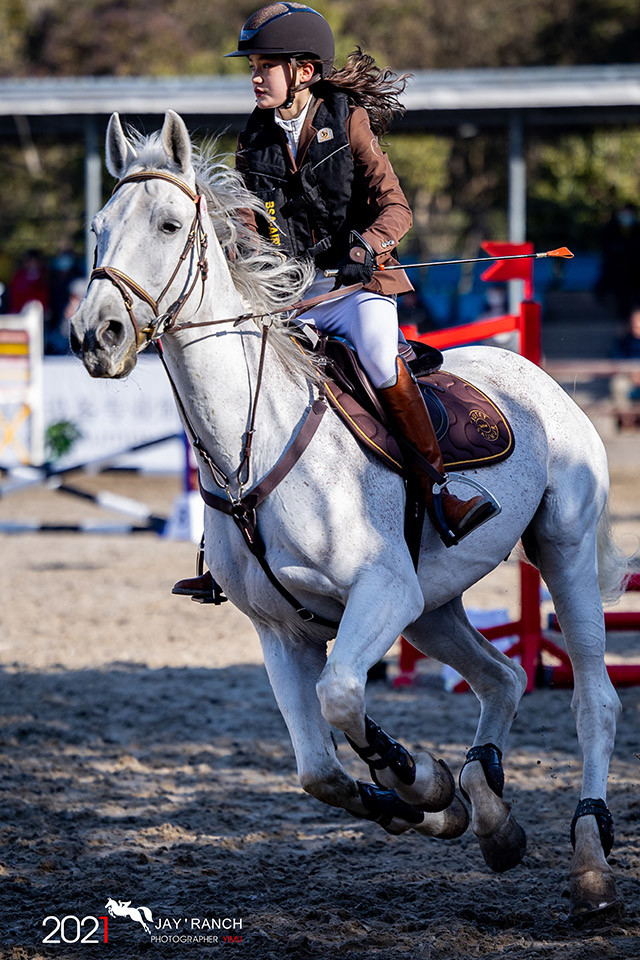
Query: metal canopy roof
[514, 99]
[439, 98]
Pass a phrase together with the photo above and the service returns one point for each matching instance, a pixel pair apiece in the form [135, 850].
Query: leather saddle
[471, 430]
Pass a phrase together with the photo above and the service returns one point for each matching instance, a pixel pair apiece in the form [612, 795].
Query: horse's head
[150, 248]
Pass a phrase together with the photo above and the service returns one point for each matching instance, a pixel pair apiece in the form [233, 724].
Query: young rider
[310, 152]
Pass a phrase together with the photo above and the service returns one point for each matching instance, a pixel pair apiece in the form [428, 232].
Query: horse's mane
[260, 273]
[267, 283]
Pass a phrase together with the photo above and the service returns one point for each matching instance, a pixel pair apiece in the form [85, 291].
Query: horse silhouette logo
[123, 908]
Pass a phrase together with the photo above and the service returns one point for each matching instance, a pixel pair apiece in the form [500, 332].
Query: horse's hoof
[433, 789]
[605, 911]
[505, 847]
[593, 896]
[502, 840]
[447, 824]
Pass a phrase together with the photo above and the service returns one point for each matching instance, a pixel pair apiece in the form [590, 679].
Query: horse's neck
[215, 372]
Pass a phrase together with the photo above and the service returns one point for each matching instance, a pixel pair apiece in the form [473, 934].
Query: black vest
[310, 212]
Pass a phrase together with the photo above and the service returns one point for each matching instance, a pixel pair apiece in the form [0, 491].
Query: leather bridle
[197, 239]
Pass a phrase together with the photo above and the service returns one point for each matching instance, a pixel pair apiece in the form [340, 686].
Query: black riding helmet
[288, 30]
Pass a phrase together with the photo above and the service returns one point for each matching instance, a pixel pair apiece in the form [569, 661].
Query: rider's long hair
[367, 85]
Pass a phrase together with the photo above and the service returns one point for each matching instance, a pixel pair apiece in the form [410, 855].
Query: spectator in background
[629, 345]
[57, 340]
[495, 303]
[633, 336]
[64, 268]
[496, 306]
[30, 282]
[620, 277]
[627, 386]
[634, 349]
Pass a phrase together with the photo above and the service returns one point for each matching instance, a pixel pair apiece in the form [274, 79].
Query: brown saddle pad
[471, 429]
[478, 434]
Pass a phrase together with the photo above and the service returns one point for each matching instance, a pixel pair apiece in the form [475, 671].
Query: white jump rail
[21, 404]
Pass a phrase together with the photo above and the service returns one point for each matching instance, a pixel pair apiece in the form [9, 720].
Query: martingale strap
[243, 511]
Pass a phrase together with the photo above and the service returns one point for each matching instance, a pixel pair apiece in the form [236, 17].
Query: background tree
[456, 183]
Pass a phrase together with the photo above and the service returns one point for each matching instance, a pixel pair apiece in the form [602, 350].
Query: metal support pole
[517, 198]
[92, 187]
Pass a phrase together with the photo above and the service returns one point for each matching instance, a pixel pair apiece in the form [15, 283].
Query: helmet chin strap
[293, 89]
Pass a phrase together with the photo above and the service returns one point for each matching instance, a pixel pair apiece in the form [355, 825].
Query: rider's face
[270, 77]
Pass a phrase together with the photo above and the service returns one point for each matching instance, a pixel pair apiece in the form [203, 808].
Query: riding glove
[356, 267]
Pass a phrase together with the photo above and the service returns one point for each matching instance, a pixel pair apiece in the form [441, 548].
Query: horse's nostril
[111, 334]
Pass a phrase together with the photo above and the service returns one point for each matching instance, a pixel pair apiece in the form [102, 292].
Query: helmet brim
[261, 52]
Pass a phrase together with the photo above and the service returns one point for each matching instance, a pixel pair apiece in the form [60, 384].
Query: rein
[197, 238]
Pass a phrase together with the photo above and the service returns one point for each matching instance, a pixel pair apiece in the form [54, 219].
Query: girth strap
[243, 511]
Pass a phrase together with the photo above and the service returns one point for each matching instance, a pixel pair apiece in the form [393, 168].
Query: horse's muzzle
[106, 349]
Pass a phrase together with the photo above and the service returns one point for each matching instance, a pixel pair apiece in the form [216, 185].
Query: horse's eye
[169, 226]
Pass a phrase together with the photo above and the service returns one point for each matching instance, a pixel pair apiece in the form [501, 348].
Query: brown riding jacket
[391, 213]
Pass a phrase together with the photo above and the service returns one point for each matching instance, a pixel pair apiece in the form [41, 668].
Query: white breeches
[369, 321]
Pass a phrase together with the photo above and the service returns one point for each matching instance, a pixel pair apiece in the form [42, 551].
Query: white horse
[333, 527]
[123, 908]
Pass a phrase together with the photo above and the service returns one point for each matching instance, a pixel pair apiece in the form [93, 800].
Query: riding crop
[559, 252]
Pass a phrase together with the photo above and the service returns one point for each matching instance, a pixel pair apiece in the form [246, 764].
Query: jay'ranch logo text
[161, 930]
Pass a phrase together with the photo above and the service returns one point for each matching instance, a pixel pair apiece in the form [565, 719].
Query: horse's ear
[120, 153]
[176, 141]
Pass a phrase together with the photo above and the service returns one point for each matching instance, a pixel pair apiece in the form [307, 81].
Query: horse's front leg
[380, 605]
[293, 669]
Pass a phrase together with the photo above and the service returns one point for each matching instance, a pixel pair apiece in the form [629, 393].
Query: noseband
[197, 239]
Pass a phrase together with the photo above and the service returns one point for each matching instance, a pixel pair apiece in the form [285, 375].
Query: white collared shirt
[293, 128]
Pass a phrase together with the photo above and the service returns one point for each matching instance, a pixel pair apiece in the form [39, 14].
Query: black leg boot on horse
[453, 518]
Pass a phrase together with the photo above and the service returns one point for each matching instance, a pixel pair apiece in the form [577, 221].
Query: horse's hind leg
[563, 537]
[293, 671]
[498, 683]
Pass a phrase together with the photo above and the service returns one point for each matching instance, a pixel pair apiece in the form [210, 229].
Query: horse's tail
[613, 564]
[146, 912]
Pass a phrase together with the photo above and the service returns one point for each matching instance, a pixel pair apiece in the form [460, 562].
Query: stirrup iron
[448, 537]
